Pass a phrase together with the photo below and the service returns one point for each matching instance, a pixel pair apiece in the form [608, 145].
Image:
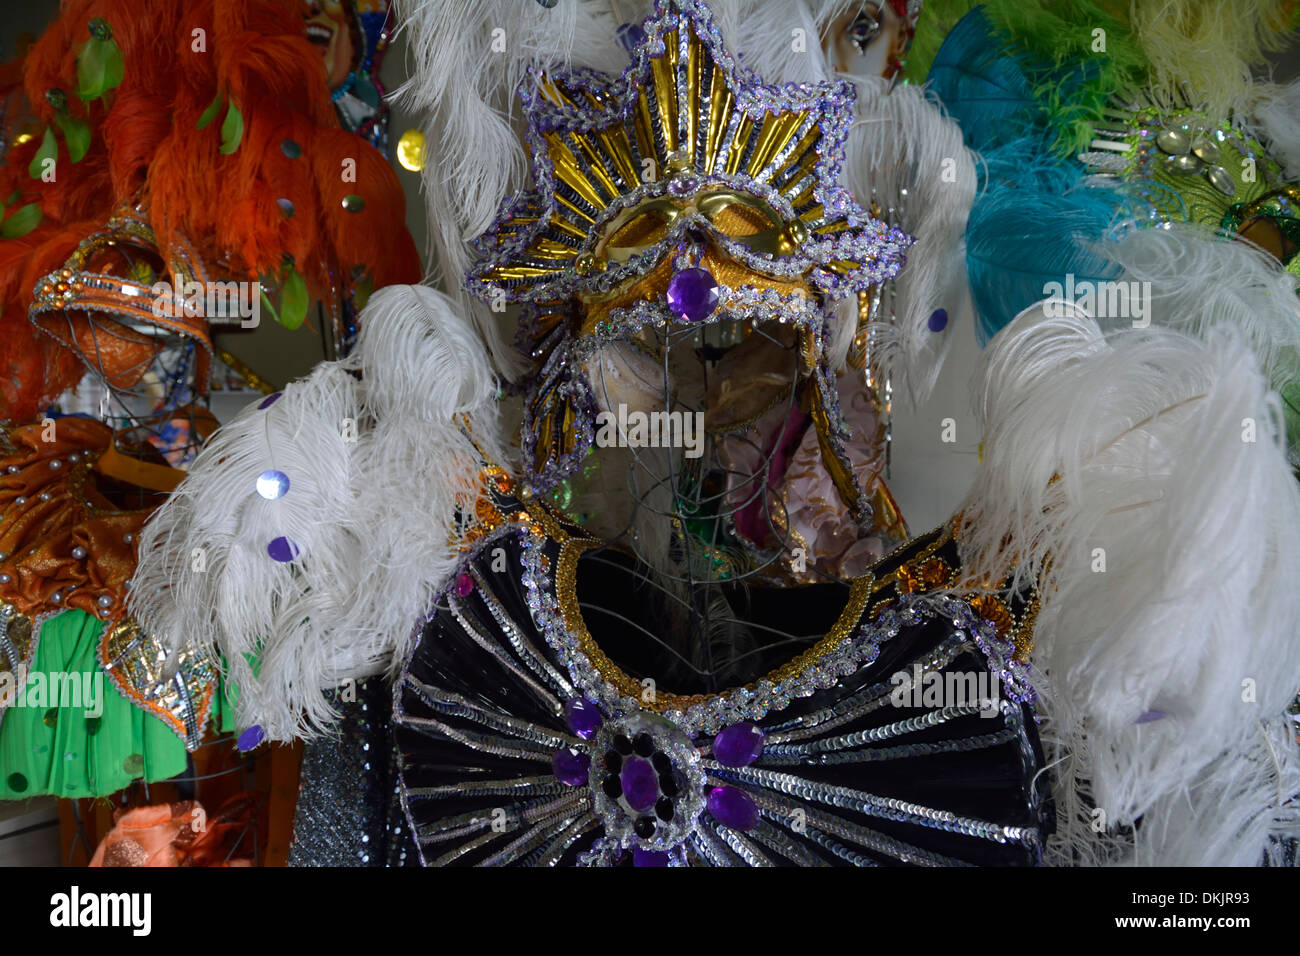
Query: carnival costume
[199, 150]
[684, 197]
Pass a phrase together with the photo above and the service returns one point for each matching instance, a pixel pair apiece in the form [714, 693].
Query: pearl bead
[74, 457]
[128, 538]
[20, 500]
[79, 552]
[44, 496]
[3, 555]
[56, 598]
[5, 578]
[56, 464]
[104, 600]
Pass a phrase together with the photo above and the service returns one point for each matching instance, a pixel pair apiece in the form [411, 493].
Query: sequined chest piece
[520, 744]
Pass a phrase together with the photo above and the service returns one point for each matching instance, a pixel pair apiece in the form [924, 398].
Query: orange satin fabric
[50, 505]
[180, 834]
[119, 353]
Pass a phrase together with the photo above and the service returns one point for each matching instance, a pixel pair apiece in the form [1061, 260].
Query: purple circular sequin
[640, 784]
[738, 745]
[733, 808]
[938, 320]
[250, 738]
[571, 766]
[582, 716]
[693, 294]
[269, 400]
[282, 549]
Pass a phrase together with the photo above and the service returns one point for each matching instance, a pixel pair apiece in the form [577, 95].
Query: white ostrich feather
[1141, 478]
[377, 465]
[907, 155]
[1200, 281]
[1275, 118]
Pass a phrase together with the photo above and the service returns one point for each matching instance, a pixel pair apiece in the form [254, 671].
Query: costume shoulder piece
[524, 743]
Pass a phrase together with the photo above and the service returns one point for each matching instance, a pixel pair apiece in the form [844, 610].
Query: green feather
[48, 150]
[76, 133]
[209, 114]
[293, 300]
[24, 220]
[232, 129]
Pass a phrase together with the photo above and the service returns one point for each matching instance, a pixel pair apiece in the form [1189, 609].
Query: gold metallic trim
[240, 368]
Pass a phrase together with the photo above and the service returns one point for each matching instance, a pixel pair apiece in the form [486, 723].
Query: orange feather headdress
[220, 123]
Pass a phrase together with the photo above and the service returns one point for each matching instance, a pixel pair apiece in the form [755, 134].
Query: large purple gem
[642, 857]
[582, 716]
[693, 294]
[733, 808]
[250, 738]
[738, 745]
[571, 766]
[640, 784]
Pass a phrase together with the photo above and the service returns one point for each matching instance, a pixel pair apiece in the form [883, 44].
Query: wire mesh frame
[701, 598]
[172, 365]
[185, 784]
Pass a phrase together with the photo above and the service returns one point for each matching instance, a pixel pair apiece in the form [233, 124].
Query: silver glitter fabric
[349, 811]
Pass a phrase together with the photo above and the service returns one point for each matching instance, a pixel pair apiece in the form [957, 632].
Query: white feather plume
[1275, 119]
[907, 155]
[1200, 281]
[1141, 478]
[468, 59]
[377, 465]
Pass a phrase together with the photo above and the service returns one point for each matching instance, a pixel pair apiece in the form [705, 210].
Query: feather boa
[377, 468]
[1141, 478]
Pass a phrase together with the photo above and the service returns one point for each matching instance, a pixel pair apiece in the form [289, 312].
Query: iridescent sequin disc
[272, 484]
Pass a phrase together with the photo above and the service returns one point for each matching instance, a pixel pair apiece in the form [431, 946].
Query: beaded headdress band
[635, 176]
[96, 312]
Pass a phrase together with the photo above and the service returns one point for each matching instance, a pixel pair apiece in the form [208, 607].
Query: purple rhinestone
[738, 745]
[250, 738]
[642, 857]
[640, 784]
[683, 186]
[693, 294]
[938, 320]
[464, 585]
[733, 808]
[1151, 715]
[582, 716]
[571, 766]
[282, 549]
[269, 400]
